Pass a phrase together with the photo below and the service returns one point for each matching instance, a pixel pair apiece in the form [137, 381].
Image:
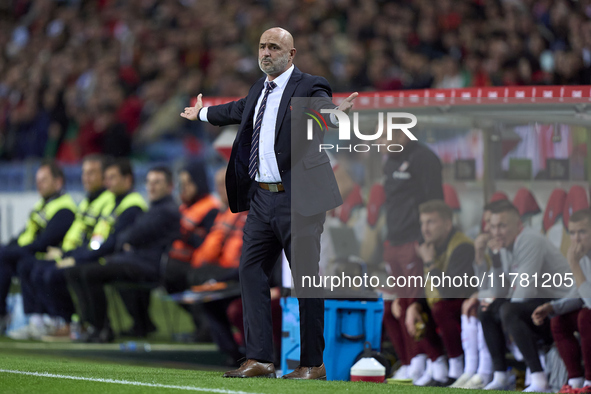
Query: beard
[274, 66]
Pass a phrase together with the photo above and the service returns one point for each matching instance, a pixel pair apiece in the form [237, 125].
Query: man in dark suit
[259, 178]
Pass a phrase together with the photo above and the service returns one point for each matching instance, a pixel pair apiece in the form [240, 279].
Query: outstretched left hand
[348, 103]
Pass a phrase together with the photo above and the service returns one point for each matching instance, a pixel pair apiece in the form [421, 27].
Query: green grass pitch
[58, 374]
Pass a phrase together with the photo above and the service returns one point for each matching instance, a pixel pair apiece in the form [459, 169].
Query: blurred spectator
[63, 60]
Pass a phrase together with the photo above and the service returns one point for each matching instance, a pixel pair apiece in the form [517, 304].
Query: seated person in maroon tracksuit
[446, 251]
[573, 313]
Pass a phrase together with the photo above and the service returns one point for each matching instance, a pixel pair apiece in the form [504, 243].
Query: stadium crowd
[80, 77]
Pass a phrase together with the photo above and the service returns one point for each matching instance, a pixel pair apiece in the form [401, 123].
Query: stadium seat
[498, 196]
[450, 196]
[575, 201]
[13, 178]
[551, 226]
[554, 208]
[353, 201]
[73, 177]
[526, 203]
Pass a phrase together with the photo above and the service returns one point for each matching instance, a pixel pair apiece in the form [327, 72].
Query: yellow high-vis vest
[42, 213]
[86, 219]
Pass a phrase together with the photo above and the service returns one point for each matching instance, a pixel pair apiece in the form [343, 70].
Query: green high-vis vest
[109, 216]
[42, 213]
[86, 219]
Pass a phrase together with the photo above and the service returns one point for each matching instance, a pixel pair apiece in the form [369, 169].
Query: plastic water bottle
[132, 346]
[75, 328]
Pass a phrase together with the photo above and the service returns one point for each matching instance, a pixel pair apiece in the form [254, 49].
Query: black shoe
[437, 383]
[86, 334]
[98, 336]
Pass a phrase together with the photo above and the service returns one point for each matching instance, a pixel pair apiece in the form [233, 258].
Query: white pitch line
[125, 382]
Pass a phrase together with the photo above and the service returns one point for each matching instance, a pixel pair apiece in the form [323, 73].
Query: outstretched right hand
[191, 113]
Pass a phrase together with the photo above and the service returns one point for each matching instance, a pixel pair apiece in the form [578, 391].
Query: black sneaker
[437, 383]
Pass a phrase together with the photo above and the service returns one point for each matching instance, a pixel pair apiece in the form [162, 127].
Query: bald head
[280, 34]
[276, 52]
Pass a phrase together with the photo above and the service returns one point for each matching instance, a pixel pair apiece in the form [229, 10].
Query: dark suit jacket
[305, 172]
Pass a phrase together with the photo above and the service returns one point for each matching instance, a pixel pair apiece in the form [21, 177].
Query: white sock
[402, 372]
[53, 321]
[539, 380]
[515, 350]
[456, 367]
[36, 319]
[440, 369]
[500, 377]
[470, 343]
[527, 380]
[576, 383]
[417, 366]
[485, 378]
[587, 383]
[542, 360]
[427, 375]
[485, 364]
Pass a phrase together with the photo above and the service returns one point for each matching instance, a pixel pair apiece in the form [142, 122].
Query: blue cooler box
[347, 326]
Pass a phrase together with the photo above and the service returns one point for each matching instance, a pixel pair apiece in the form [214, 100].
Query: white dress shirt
[268, 169]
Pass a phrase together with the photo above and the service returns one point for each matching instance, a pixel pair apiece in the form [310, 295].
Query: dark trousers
[51, 284]
[515, 319]
[10, 255]
[563, 331]
[44, 289]
[31, 295]
[88, 281]
[267, 231]
[221, 328]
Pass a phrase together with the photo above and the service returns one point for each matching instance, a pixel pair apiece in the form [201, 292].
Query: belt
[272, 187]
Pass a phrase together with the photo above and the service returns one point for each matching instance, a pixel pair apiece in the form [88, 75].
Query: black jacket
[305, 172]
[152, 233]
[411, 178]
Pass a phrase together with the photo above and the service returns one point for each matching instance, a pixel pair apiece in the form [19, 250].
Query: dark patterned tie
[253, 161]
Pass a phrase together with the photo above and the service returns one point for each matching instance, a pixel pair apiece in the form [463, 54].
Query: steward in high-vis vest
[45, 289]
[139, 252]
[48, 223]
[198, 214]
[448, 256]
[120, 213]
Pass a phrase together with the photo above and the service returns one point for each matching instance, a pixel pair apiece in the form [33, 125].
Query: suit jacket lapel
[251, 103]
[296, 75]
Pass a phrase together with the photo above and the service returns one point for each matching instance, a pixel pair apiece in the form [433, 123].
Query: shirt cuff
[334, 119]
[203, 114]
